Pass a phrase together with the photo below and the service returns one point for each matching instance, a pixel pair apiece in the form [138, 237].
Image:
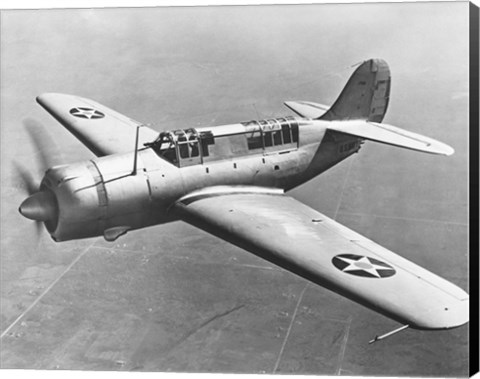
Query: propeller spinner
[41, 206]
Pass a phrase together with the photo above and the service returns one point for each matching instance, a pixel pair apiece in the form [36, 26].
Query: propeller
[46, 148]
[40, 205]
[30, 187]
[25, 179]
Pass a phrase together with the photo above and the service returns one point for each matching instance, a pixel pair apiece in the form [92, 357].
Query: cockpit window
[287, 137]
[164, 146]
[187, 147]
[272, 133]
[206, 139]
[180, 147]
[182, 144]
[254, 135]
[193, 143]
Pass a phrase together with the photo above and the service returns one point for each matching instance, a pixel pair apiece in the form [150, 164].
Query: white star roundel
[360, 265]
[88, 113]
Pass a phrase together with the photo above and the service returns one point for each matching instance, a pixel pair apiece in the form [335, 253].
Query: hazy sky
[181, 67]
[165, 65]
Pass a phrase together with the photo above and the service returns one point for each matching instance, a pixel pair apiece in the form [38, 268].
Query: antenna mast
[134, 171]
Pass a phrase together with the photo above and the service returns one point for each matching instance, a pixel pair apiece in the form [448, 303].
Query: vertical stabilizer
[365, 97]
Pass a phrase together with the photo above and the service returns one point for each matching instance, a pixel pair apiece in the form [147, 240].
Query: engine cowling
[92, 198]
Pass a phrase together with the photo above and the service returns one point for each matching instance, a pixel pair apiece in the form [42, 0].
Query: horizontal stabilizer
[307, 109]
[390, 135]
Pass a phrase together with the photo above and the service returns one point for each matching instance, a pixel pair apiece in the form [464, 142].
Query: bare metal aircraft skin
[231, 180]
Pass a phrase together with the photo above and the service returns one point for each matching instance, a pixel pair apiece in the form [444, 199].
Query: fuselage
[106, 196]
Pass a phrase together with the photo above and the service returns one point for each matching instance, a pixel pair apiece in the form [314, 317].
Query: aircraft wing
[288, 233]
[101, 129]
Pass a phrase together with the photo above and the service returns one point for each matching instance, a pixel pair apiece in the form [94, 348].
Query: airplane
[231, 181]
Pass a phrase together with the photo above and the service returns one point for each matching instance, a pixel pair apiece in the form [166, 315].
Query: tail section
[390, 135]
[365, 97]
[361, 107]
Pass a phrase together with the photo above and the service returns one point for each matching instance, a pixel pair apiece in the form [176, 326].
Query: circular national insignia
[361, 265]
[87, 113]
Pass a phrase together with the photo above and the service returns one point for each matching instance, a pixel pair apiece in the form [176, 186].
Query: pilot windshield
[164, 146]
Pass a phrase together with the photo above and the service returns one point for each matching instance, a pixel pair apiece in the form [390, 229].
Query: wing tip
[439, 148]
[45, 98]
[452, 315]
[41, 99]
[448, 150]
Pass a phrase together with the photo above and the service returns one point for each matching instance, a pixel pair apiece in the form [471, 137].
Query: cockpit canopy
[185, 147]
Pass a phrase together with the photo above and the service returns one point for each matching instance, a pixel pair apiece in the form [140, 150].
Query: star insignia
[87, 113]
[362, 266]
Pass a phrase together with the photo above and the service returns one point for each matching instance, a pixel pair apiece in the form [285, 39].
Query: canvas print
[276, 189]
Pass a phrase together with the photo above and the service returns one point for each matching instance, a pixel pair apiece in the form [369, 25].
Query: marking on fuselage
[361, 265]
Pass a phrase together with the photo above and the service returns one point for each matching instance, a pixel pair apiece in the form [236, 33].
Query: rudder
[366, 95]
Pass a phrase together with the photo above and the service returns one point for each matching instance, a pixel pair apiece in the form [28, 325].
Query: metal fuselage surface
[104, 194]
